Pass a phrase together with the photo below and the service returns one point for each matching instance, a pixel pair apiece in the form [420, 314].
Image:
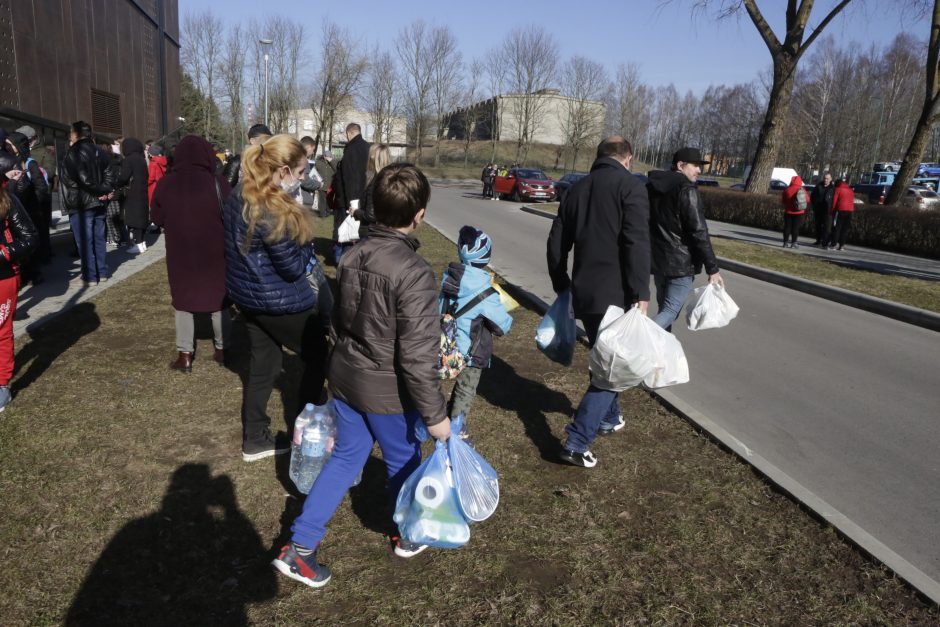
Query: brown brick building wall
[94, 60]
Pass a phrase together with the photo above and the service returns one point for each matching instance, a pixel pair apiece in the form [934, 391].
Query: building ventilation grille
[105, 112]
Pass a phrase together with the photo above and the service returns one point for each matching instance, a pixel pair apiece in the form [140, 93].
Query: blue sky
[667, 41]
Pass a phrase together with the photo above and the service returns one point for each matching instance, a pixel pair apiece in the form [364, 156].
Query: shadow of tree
[196, 561]
[50, 341]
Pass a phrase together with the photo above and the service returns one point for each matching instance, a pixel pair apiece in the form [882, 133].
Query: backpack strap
[476, 300]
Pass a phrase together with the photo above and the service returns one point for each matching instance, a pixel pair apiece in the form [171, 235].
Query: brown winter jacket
[388, 329]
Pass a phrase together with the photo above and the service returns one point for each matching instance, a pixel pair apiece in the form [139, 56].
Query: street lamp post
[266, 43]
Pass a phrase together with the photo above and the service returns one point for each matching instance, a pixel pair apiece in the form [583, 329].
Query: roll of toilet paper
[429, 492]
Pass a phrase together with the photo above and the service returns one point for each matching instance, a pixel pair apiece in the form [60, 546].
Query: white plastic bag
[348, 230]
[711, 308]
[632, 349]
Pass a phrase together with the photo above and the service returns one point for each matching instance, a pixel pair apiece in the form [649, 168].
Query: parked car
[706, 183]
[929, 170]
[920, 197]
[564, 183]
[522, 184]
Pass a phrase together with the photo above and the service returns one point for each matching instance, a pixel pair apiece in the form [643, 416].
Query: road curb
[855, 534]
[872, 304]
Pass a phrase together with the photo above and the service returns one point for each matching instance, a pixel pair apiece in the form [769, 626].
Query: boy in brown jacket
[383, 368]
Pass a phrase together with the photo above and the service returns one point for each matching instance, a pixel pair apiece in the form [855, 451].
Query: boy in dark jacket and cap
[467, 289]
[678, 233]
[382, 371]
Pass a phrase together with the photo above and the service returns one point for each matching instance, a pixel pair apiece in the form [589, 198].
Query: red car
[524, 184]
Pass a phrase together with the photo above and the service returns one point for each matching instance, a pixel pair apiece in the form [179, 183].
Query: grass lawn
[913, 292]
[125, 501]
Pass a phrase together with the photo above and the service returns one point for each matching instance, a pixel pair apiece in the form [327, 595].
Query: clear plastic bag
[427, 511]
[632, 349]
[476, 482]
[348, 230]
[710, 308]
[557, 332]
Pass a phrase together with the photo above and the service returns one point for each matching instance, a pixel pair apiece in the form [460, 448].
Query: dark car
[524, 184]
[564, 183]
[706, 183]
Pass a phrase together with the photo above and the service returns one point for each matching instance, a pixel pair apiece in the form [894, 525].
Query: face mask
[290, 188]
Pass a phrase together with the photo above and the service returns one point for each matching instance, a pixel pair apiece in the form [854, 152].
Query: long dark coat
[186, 205]
[134, 177]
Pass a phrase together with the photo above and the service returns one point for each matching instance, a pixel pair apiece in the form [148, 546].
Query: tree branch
[766, 32]
[822, 25]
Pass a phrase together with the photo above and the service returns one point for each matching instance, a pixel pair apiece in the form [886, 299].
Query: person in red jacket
[795, 200]
[155, 170]
[843, 206]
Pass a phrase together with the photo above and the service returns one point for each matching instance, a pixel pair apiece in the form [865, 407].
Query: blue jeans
[596, 408]
[671, 293]
[88, 228]
[356, 431]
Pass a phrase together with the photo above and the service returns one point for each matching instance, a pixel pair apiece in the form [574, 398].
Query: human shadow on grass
[530, 400]
[50, 341]
[198, 560]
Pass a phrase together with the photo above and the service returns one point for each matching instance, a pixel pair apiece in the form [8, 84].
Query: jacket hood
[796, 182]
[192, 152]
[7, 162]
[463, 280]
[131, 146]
[665, 181]
[21, 142]
[159, 161]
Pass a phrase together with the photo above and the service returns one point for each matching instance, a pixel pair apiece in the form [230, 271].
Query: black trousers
[304, 334]
[791, 226]
[823, 220]
[840, 228]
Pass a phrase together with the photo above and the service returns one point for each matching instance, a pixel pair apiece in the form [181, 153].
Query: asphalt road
[845, 402]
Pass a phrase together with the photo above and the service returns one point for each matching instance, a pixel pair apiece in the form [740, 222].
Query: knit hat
[474, 247]
[155, 150]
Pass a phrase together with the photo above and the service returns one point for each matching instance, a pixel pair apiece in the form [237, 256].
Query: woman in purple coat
[187, 204]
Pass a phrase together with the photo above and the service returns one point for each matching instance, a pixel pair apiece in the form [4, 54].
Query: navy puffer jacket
[269, 278]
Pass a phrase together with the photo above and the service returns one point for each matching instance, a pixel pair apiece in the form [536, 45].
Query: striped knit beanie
[474, 247]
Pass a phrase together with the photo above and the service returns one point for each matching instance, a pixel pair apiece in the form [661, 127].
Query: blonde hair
[265, 202]
[379, 157]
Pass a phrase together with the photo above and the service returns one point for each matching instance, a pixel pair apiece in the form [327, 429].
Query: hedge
[898, 229]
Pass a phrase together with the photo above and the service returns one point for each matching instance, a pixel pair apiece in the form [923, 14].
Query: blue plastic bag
[557, 332]
[475, 481]
[426, 510]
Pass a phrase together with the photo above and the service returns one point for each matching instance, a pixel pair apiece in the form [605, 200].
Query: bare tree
[582, 83]
[232, 75]
[284, 56]
[380, 93]
[413, 47]
[469, 116]
[929, 116]
[496, 73]
[786, 55]
[342, 66]
[445, 68]
[532, 57]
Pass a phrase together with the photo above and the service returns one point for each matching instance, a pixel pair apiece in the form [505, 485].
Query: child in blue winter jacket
[463, 282]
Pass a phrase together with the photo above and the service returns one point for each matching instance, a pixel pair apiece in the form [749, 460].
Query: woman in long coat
[187, 204]
[134, 176]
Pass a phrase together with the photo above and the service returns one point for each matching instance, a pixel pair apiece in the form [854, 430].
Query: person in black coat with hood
[135, 178]
[32, 190]
[605, 217]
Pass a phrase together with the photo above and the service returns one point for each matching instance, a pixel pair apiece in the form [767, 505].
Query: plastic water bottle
[300, 423]
[313, 452]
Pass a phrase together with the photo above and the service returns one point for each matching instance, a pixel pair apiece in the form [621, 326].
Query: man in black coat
[681, 244]
[87, 191]
[821, 199]
[605, 217]
[233, 167]
[350, 181]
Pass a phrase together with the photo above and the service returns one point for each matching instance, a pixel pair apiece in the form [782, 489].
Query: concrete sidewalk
[62, 287]
[856, 257]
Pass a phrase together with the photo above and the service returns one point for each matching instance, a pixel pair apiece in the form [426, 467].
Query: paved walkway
[62, 287]
[853, 256]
